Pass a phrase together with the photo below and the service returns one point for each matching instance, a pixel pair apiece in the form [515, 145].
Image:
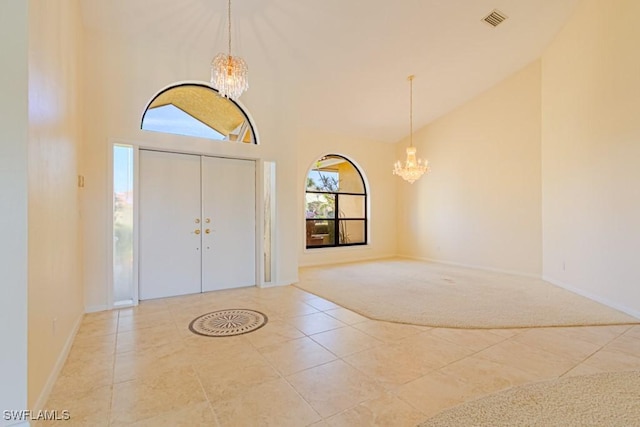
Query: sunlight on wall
[590, 152]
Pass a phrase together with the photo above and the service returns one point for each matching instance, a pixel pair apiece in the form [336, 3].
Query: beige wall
[375, 161]
[13, 205]
[481, 204]
[55, 288]
[591, 153]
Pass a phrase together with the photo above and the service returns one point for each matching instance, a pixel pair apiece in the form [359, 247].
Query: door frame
[259, 215]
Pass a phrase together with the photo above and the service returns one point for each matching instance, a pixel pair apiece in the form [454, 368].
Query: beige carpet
[431, 294]
[609, 399]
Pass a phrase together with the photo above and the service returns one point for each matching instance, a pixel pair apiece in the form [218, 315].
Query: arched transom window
[336, 204]
[198, 110]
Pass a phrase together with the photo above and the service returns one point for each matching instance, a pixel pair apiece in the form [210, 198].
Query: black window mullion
[366, 221]
[331, 192]
[336, 239]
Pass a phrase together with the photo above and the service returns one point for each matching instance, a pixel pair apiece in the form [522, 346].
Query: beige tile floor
[314, 363]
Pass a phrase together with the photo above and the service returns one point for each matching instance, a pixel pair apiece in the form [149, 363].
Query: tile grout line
[597, 351]
[113, 370]
[432, 370]
[310, 336]
[204, 392]
[283, 377]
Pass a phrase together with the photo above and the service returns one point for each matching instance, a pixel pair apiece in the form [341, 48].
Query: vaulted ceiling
[347, 61]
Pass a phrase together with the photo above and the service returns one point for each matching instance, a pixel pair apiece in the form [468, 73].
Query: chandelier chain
[229, 23]
[411, 111]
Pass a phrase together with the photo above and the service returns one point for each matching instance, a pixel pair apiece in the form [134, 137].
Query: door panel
[228, 195]
[170, 246]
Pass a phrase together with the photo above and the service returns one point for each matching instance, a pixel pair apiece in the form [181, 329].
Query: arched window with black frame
[197, 109]
[336, 204]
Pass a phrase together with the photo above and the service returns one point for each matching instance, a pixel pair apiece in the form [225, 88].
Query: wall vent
[495, 18]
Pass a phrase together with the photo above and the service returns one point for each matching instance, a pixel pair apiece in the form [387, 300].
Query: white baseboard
[592, 296]
[475, 267]
[53, 376]
[346, 261]
[96, 308]
[276, 284]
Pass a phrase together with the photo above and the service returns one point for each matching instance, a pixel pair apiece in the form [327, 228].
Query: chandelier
[229, 73]
[412, 169]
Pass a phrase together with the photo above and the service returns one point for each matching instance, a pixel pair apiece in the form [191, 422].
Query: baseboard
[475, 267]
[276, 284]
[347, 261]
[593, 297]
[95, 308]
[62, 358]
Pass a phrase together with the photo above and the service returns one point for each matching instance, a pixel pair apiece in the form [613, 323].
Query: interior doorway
[197, 224]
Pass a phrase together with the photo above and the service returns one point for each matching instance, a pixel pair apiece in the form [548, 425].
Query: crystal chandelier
[229, 73]
[412, 169]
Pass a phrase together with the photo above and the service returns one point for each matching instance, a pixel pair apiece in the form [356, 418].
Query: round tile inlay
[227, 323]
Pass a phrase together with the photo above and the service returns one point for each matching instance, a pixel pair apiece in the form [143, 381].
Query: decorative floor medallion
[227, 323]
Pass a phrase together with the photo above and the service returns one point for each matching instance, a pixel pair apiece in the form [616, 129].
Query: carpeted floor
[431, 294]
[609, 399]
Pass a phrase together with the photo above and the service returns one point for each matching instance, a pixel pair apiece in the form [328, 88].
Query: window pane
[352, 231]
[350, 180]
[323, 180]
[269, 218]
[320, 232]
[320, 205]
[335, 174]
[351, 206]
[122, 224]
[169, 119]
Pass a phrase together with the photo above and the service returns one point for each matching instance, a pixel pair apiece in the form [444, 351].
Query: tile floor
[314, 363]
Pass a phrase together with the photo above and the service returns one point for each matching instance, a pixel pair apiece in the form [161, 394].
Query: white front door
[170, 246]
[197, 224]
[228, 206]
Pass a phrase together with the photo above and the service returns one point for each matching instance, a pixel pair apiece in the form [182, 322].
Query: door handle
[207, 231]
[197, 231]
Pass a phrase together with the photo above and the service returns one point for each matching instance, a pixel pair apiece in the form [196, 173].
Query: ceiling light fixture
[412, 169]
[229, 73]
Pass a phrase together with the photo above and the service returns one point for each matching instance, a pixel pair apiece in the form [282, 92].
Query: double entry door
[197, 224]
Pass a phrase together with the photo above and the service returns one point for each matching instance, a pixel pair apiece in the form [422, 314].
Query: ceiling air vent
[495, 18]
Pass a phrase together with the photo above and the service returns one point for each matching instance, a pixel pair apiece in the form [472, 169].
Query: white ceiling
[348, 60]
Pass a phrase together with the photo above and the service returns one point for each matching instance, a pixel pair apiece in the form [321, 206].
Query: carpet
[608, 399]
[432, 294]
